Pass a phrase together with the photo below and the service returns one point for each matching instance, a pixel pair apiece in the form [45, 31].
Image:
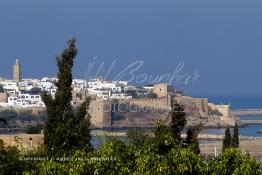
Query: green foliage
[151, 95]
[118, 158]
[83, 122]
[177, 161]
[133, 93]
[10, 160]
[191, 140]
[231, 141]
[178, 121]
[1, 89]
[115, 157]
[163, 139]
[233, 162]
[64, 129]
[152, 163]
[52, 168]
[137, 137]
[227, 139]
[235, 138]
[34, 129]
[185, 161]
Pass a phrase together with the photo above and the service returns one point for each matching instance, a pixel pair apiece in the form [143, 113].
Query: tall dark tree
[163, 138]
[178, 121]
[191, 139]
[1, 89]
[227, 139]
[64, 128]
[235, 138]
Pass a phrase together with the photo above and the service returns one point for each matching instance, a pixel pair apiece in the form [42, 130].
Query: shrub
[34, 129]
[10, 162]
[233, 162]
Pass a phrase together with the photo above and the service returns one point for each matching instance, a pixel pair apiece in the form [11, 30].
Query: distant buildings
[105, 89]
[27, 92]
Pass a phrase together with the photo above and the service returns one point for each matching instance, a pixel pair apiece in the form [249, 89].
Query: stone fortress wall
[3, 97]
[226, 116]
[101, 110]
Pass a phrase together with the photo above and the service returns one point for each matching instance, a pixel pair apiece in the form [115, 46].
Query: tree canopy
[227, 139]
[64, 128]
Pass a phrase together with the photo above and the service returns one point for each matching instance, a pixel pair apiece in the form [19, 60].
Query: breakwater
[251, 122]
[239, 112]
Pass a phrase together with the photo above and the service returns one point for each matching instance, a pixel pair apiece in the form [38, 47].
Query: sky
[204, 47]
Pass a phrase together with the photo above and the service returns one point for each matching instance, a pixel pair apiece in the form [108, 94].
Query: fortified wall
[100, 111]
[103, 111]
[192, 104]
[225, 115]
[3, 97]
[145, 111]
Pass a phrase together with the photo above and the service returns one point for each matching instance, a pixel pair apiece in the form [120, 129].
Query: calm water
[250, 130]
[251, 117]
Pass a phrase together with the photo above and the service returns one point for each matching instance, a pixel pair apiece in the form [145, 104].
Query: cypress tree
[178, 121]
[163, 138]
[191, 139]
[1, 89]
[64, 128]
[235, 138]
[227, 139]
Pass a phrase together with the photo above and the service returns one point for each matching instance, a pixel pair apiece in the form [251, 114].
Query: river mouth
[250, 130]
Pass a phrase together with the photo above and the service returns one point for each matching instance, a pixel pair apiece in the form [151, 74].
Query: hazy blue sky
[221, 39]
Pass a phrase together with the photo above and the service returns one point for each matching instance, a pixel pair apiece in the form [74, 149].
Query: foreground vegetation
[139, 155]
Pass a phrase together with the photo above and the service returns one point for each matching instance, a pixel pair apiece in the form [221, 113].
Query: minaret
[17, 71]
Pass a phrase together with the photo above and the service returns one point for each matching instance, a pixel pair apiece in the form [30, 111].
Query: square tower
[17, 71]
[162, 90]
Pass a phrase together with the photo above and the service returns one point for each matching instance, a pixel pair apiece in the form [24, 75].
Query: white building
[12, 100]
[104, 89]
[120, 96]
[10, 85]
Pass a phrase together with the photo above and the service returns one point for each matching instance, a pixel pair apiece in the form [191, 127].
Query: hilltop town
[114, 103]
